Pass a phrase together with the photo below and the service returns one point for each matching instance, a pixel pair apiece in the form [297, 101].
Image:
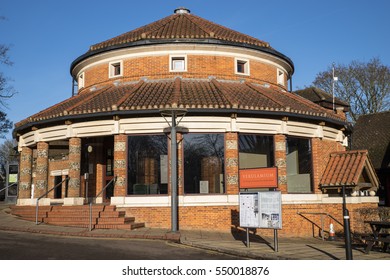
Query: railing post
[90, 216]
[36, 212]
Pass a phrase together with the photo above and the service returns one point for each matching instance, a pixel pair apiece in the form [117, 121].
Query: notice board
[261, 210]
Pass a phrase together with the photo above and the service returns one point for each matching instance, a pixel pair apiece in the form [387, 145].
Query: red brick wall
[299, 220]
[321, 150]
[198, 66]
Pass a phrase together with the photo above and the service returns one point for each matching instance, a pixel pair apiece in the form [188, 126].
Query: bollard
[331, 233]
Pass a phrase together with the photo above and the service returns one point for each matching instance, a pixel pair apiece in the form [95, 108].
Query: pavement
[223, 242]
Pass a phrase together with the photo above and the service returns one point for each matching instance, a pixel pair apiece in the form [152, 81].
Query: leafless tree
[6, 91]
[366, 86]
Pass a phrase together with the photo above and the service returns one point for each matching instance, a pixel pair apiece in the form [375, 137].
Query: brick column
[41, 169]
[120, 164]
[25, 173]
[180, 166]
[231, 163]
[74, 167]
[280, 161]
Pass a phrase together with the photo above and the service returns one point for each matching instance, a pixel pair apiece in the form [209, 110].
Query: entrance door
[58, 190]
[109, 168]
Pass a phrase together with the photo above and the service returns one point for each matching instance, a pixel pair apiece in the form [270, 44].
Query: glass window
[115, 69]
[80, 81]
[242, 66]
[147, 164]
[255, 151]
[178, 63]
[204, 163]
[280, 77]
[299, 165]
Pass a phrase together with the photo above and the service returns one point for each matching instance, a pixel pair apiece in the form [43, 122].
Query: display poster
[270, 209]
[261, 210]
[249, 210]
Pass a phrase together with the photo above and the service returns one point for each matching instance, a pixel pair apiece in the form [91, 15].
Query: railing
[322, 219]
[90, 203]
[37, 205]
[3, 189]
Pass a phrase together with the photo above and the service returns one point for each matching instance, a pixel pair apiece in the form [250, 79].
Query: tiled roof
[180, 26]
[372, 132]
[346, 169]
[213, 94]
[322, 98]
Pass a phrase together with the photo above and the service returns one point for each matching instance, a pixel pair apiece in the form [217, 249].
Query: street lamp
[347, 228]
[173, 113]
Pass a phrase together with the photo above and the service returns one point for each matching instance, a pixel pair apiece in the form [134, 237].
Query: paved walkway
[260, 248]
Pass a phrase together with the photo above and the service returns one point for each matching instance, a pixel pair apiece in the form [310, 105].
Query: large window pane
[147, 164]
[204, 163]
[255, 151]
[299, 165]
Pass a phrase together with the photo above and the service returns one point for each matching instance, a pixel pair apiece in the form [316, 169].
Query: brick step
[103, 216]
[85, 212]
[73, 214]
[126, 226]
[115, 221]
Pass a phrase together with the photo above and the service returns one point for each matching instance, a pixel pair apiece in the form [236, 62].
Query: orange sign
[259, 178]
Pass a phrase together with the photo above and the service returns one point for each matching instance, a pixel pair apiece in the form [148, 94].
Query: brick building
[239, 114]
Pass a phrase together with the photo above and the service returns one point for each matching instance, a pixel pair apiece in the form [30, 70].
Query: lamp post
[173, 113]
[347, 229]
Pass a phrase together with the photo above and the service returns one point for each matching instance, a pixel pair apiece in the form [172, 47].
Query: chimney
[340, 112]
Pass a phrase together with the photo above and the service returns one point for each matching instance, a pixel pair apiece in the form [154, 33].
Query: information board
[249, 210]
[270, 209]
[261, 210]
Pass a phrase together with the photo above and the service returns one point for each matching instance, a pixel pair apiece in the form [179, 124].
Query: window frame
[280, 77]
[309, 140]
[172, 58]
[271, 153]
[81, 80]
[112, 67]
[246, 66]
[159, 183]
[223, 165]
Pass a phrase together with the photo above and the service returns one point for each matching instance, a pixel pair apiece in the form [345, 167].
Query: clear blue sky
[46, 36]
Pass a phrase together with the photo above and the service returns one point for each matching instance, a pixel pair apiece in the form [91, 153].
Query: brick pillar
[25, 173]
[42, 168]
[120, 164]
[231, 163]
[74, 167]
[280, 161]
[180, 166]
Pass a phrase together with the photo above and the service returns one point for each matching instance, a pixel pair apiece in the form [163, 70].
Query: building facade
[239, 113]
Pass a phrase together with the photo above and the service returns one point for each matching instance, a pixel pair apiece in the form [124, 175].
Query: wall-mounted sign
[259, 178]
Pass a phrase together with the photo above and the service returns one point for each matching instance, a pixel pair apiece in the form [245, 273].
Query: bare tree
[6, 91]
[366, 86]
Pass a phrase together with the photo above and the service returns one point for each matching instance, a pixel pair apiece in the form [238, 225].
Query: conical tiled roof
[144, 96]
[181, 25]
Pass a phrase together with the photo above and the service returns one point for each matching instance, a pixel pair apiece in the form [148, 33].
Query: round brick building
[235, 110]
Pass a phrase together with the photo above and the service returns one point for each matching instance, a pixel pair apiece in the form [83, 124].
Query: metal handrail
[94, 198]
[3, 189]
[37, 205]
[322, 219]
